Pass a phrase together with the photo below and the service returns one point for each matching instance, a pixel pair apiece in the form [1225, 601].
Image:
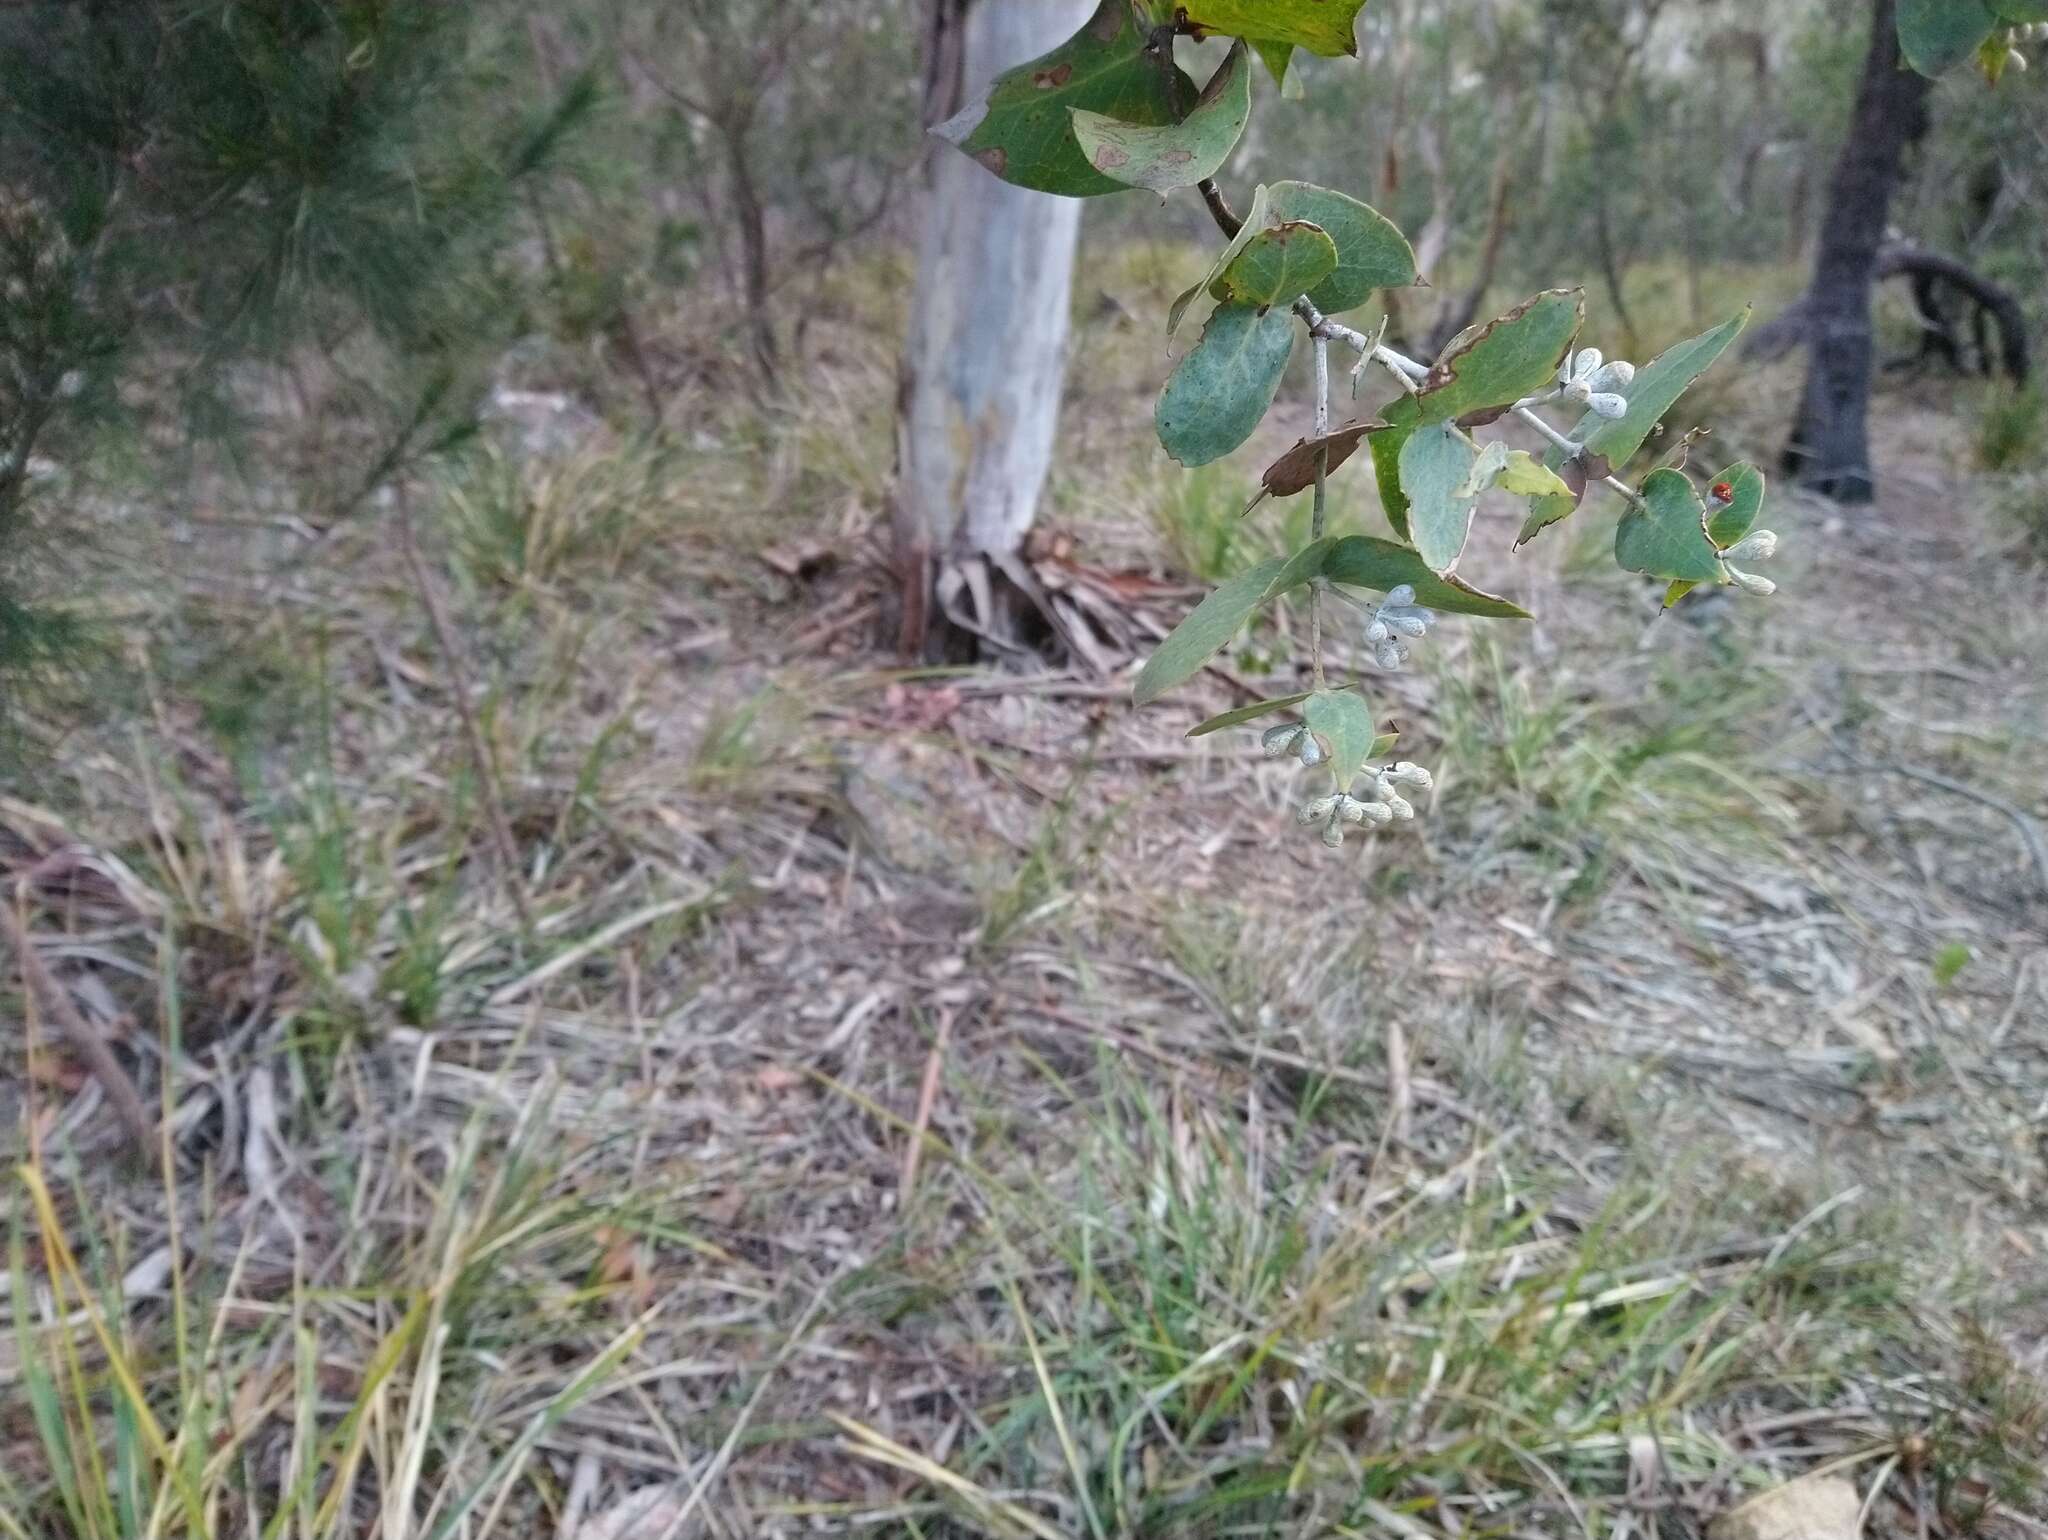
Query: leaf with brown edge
[1577, 473]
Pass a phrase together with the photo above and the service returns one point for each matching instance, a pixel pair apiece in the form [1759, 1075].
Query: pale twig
[90, 1045]
[927, 1099]
[459, 686]
[2030, 831]
[1319, 519]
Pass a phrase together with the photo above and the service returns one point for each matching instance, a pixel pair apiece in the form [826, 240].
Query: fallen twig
[90, 1045]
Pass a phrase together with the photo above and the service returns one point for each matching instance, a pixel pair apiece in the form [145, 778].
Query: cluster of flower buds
[1758, 545]
[1600, 387]
[2025, 32]
[1395, 617]
[1295, 740]
[1340, 809]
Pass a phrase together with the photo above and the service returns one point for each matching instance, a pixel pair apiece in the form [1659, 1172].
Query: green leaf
[1728, 523]
[1320, 26]
[1217, 395]
[1343, 720]
[1372, 253]
[1366, 561]
[1164, 156]
[1494, 365]
[1254, 222]
[1436, 463]
[1654, 391]
[1277, 266]
[1278, 56]
[1022, 128]
[1666, 535]
[2020, 12]
[1243, 714]
[1993, 54]
[1219, 617]
[1936, 34]
[1526, 476]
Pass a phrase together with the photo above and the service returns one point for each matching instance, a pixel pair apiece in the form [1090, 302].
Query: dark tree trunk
[1829, 450]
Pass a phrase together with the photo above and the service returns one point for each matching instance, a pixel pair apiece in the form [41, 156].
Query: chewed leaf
[1730, 519]
[1277, 266]
[1678, 590]
[1217, 395]
[1219, 617]
[1244, 714]
[1366, 561]
[1254, 222]
[1666, 534]
[1022, 128]
[1371, 252]
[1168, 155]
[1436, 463]
[1344, 721]
[1320, 26]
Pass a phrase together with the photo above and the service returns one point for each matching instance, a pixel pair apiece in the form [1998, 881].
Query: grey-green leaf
[1022, 127]
[1436, 463]
[1666, 535]
[1367, 561]
[1342, 718]
[1219, 617]
[1277, 266]
[1216, 396]
[1936, 35]
[1243, 714]
[1372, 253]
[1169, 155]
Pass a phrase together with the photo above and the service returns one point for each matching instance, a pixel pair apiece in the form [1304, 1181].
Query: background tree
[986, 348]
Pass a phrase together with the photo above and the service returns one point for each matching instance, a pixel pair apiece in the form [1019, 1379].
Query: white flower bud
[2015, 60]
[1377, 632]
[1388, 655]
[1755, 546]
[1333, 835]
[1401, 594]
[1376, 812]
[1409, 774]
[1400, 806]
[1280, 740]
[1351, 810]
[1750, 583]
[1383, 787]
[1411, 624]
[1616, 376]
[1318, 810]
[1311, 753]
[1604, 403]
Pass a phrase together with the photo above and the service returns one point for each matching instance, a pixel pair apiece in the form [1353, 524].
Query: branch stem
[1319, 519]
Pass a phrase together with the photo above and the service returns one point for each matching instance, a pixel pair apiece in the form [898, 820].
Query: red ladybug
[1723, 492]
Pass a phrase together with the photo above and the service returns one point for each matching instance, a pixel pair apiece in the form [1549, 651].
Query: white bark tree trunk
[982, 365]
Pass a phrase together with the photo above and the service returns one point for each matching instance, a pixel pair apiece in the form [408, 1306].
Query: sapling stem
[1319, 518]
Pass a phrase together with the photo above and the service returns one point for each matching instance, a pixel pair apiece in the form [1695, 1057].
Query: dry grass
[952, 1104]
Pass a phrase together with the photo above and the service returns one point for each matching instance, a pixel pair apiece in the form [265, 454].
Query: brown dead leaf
[1296, 470]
